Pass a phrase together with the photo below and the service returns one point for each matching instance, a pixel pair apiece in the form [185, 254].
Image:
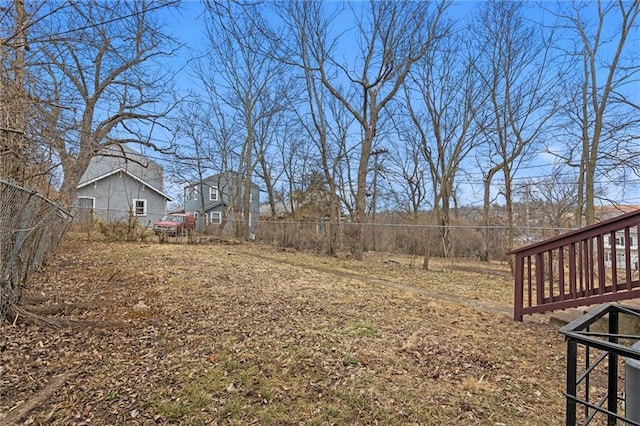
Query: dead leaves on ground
[211, 334]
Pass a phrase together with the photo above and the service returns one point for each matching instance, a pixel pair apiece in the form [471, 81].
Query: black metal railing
[597, 345]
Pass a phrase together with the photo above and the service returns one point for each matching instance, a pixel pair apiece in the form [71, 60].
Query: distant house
[619, 244]
[119, 184]
[218, 198]
[282, 210]
[616, 243]
[314, 203]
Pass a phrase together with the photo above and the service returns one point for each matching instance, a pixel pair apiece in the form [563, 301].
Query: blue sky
[187, 25]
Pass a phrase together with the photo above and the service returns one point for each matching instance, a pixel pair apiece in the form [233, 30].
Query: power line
[120, 18]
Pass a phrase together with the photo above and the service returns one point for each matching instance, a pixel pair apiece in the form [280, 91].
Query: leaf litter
[246, 334]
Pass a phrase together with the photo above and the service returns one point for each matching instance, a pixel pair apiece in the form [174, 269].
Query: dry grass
[242, 334]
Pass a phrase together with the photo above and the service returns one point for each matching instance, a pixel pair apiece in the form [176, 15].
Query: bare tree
[195, 155]
[549, 201]
[21, 159]
[442, 96]
[269, 168]
[13, 94]
[297, 160]
[100, 81]
[514, 68]
[407, 167]
[322, 118]
[390, 38]
[606, 68]
[250, 86]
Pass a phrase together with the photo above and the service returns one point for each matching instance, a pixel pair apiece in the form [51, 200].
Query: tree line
[384, 105]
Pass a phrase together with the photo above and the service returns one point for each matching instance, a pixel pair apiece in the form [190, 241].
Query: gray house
[219, 197]
[119, 184]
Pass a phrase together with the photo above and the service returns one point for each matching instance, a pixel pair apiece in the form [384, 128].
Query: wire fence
[416, 239]
[31, 226]
[394, 237]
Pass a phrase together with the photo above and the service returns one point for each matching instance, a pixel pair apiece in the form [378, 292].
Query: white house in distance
[121, 183]
[619, 244]
[619, 240]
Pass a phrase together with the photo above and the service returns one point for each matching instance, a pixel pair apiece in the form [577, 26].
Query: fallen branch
[34, 299]
[26, 317]
[57, 309]
[15, 416]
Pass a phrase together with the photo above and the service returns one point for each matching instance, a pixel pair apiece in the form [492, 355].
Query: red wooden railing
[592, 265]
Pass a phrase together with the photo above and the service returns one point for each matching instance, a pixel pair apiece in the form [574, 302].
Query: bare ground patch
[214, 334]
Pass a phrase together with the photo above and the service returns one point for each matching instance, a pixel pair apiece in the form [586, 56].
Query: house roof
[121, 170]
[213, 205]
[225, 175]
[131, 154]
[207, 208]
[281, 209]
[609, 211]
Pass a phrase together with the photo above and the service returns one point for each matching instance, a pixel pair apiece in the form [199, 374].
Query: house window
[139, 207]
[213, 193]
[86, 203]
[190, 193]
[85, 209]
[620, 241]
[215, 218]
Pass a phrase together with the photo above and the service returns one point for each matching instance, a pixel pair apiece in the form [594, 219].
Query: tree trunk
[484, 248]
[427, 256]
[13, 148]
[444, 224]
[361, 190]
[509, 206]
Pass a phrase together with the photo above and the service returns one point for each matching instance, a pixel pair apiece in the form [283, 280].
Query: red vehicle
[175, 224]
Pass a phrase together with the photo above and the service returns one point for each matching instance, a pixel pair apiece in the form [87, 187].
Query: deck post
[519, 288]
[539, 278]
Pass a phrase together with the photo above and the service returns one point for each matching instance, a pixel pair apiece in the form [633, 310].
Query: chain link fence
[30, 227]
[410, 239]
[464, 241]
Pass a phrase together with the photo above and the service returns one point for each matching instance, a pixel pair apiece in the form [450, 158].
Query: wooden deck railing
[592, 265]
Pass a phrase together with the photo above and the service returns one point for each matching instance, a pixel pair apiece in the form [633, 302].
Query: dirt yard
[246, 334]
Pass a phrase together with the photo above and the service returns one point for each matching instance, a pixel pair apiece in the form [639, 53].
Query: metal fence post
[612, 402]
[572, 376]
